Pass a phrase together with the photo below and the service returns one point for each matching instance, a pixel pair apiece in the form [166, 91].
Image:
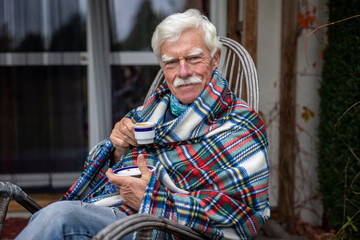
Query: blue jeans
[70, 220]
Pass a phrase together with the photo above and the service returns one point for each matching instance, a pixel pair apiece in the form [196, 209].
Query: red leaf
[299, 127]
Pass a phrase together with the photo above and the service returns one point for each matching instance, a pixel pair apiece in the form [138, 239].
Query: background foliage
[339, 130]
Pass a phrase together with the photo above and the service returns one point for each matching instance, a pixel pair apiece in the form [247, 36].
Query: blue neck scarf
[176, 107]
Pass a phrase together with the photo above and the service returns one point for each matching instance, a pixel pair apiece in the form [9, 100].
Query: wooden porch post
[244, 32]
[251, 27]
[287, 145]
[234, 25]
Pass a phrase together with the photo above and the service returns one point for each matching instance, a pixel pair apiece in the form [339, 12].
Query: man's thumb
[143, 166]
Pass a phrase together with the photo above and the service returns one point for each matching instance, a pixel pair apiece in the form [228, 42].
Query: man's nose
[185, 69]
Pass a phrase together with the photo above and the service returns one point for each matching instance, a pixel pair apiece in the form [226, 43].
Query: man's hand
[122, 137]
[132, 189]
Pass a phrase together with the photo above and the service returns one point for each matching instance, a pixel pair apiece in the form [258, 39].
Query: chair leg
[4, 203]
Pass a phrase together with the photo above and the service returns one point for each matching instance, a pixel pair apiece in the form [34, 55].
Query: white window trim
[133, 58]
[56, 180]
[99, 81]
[218, 16]
[43, 58]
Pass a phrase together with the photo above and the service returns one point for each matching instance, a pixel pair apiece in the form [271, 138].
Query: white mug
[144, 132]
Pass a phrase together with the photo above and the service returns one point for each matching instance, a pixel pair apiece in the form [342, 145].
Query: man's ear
[216, 59]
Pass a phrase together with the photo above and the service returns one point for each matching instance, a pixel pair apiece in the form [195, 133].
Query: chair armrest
[145, 224]
[10, 191]
[17, 194]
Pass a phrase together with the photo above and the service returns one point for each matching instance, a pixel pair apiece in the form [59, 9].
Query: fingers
[122, 136]
[110, 174]
[131, 189]
[120, 180]
[116, 179]
[124, 131]
[126, 128]
[143, 167]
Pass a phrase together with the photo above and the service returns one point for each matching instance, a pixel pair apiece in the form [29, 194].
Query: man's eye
[194, 59]
[169, 63]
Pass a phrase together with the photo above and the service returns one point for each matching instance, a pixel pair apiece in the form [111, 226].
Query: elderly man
[210, 152]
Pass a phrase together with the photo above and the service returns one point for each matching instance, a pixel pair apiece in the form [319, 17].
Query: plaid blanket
[211, 163]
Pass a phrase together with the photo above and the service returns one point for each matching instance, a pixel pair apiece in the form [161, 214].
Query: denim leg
[69, 220]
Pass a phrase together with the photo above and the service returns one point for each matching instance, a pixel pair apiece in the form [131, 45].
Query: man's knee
[59, 211]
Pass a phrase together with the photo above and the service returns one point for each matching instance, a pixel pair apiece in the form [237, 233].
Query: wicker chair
[238, 68]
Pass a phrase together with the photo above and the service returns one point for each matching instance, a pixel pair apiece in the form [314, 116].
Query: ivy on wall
[339, 129]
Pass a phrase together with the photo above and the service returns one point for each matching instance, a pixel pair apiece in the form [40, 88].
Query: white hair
[170, 29]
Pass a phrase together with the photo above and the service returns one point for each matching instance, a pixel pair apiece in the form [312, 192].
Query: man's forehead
[193, 52]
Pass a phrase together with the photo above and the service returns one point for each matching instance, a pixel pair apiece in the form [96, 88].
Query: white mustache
[191, 80]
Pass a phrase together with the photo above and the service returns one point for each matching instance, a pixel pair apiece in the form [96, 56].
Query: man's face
[187, 65]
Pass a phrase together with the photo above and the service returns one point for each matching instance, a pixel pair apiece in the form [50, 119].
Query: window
[43, 82]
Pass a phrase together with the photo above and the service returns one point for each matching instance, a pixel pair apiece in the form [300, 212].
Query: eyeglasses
[174, 63]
